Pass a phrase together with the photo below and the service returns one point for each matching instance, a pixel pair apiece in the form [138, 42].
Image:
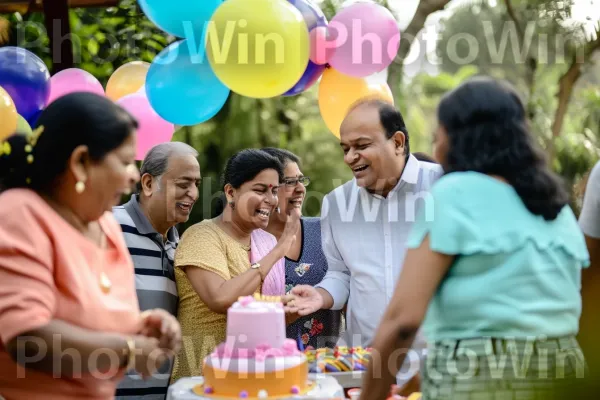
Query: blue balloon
[314, 17]
[182, 87]
[26, 79]
[180, 18]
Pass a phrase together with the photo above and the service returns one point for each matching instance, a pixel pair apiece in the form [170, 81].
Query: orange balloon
[8, 115]
[127, 79]
[338, 93]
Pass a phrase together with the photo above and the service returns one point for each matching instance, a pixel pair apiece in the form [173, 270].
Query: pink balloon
[320, 50]
[153, 129]
[73, 80]
[366, 38]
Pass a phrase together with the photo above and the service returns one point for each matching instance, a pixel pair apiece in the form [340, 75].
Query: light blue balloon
[180, 17]
[182, 87]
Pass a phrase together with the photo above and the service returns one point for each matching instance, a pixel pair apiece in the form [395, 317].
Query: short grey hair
[157, 160]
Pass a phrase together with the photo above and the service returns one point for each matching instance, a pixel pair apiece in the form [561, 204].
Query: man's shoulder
[342, 190]
[430, 173]
[122, 216]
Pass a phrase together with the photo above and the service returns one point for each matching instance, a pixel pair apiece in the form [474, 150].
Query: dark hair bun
[77, 119]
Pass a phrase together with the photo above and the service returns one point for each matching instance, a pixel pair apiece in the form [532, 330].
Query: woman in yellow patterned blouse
[212, 262]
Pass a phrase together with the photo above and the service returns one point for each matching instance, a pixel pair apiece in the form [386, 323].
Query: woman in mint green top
[493, 270]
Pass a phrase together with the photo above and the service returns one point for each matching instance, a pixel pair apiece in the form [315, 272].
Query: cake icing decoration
[208, 390]
[262, 394]
[245, 300]
[295, 389]
[243, 394]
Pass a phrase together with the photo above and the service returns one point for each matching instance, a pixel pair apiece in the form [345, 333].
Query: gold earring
[80, 187]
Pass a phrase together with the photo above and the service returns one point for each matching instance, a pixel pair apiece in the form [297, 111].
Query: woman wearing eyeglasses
[305, 263]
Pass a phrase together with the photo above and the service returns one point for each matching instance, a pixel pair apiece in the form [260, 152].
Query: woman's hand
[164, 327]
[148, 355]
[288, 237]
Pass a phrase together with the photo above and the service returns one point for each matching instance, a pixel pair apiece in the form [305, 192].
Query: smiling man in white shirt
[366, 221]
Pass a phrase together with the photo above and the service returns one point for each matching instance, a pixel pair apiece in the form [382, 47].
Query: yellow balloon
[258, 48]
[23, 126]
[338, 93]
[127, 79]
[8, 115]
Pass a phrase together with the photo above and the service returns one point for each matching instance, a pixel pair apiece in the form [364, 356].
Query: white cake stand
[327, 387]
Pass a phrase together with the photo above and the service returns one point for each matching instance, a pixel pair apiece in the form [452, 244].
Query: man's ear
[399, 142]
[147, 182]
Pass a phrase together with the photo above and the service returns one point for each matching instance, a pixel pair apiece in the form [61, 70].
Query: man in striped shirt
[167, 191]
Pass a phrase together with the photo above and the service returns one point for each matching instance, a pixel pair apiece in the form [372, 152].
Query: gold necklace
[71, 218]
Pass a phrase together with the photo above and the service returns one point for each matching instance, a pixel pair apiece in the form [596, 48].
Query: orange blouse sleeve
[27, 290]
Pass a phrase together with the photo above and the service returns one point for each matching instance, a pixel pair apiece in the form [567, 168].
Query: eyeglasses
[292, 182]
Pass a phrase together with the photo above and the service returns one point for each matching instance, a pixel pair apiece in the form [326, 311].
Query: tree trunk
[531, 62]
[566, 84]
[565, 89]
[56, 18]
[395, 70]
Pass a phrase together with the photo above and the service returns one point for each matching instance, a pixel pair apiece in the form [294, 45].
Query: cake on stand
[256, 361]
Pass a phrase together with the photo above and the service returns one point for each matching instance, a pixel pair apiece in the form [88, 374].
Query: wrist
[280, 250]
[129, 352]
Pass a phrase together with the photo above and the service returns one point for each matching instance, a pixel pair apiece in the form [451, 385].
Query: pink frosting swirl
[244, 301]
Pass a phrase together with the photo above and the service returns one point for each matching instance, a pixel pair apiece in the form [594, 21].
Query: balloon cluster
[26, 88]
[264, 49]
[255, 48]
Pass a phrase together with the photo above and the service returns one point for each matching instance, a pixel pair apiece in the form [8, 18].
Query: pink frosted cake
[256, 360]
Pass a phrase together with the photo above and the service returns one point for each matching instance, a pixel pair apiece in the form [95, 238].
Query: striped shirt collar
[142, 223]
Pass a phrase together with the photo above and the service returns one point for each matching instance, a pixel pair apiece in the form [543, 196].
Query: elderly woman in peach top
[70, 325]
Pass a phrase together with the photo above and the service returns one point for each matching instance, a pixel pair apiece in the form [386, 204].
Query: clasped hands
[157, 341]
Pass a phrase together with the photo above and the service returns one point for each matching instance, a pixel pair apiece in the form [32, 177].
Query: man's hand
[306, 300]
[163, 326]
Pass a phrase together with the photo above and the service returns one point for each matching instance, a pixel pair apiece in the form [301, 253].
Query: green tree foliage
[532, 44]
[103, 38]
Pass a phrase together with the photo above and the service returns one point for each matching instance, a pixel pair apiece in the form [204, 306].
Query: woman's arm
[69, 351]
[593, 246]
[421, 275]
[220, 294]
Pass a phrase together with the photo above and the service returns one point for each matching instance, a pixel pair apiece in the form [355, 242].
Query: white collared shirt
[363, 237]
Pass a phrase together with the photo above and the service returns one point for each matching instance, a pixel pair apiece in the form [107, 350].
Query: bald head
[169, 184]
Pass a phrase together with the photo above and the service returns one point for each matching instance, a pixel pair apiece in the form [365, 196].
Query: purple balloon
[314, 17]
[311, 75]
[26, 79]
[312, 14]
